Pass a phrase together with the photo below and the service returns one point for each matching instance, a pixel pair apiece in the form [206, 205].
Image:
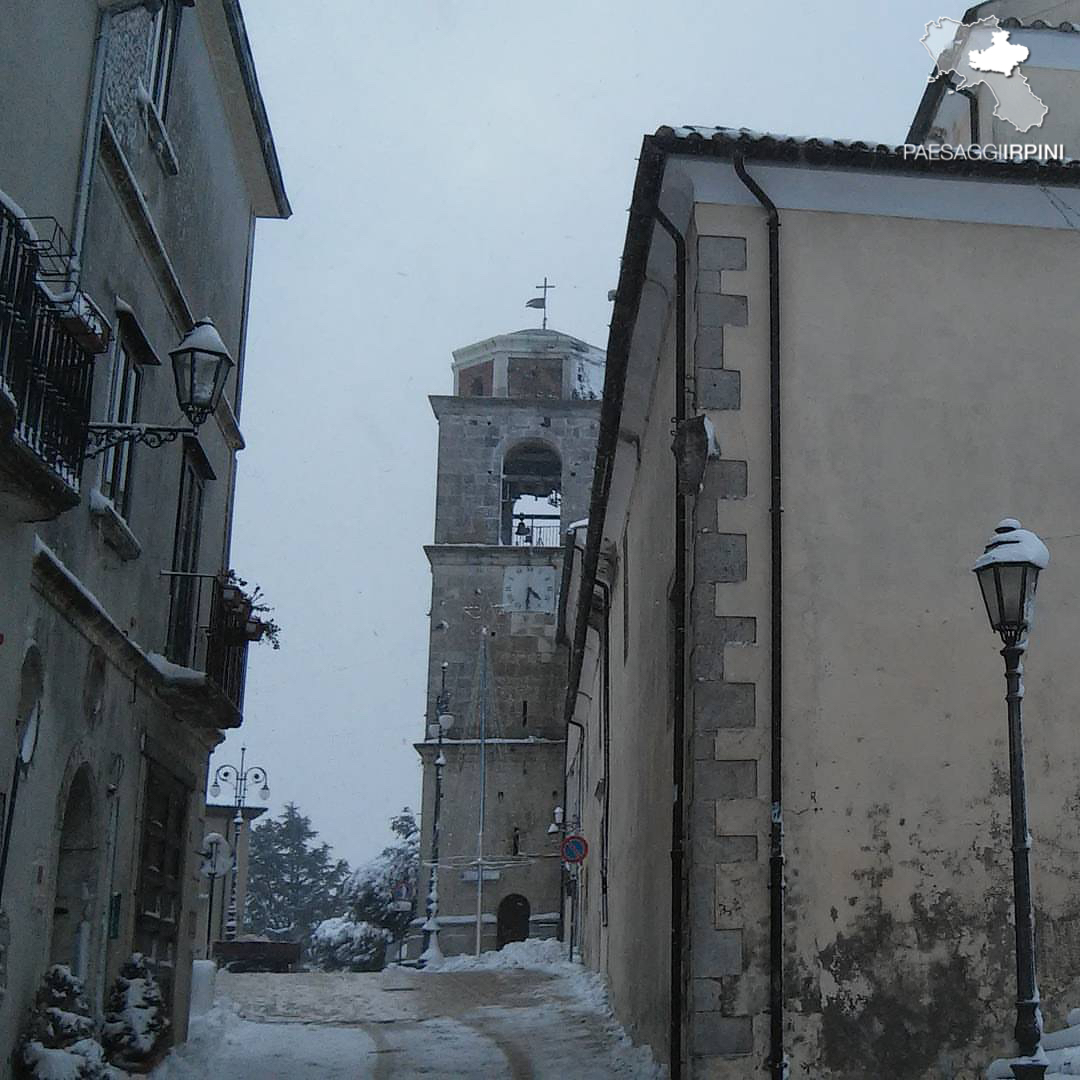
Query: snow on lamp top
[1012, 543]
[1008, 573]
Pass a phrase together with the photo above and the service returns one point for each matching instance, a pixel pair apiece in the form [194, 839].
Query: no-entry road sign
[574, 849]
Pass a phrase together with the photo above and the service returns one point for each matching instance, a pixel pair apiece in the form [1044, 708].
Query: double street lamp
[1008, 572]
[239, 778]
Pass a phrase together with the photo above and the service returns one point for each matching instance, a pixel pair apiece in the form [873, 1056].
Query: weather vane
[541, 301]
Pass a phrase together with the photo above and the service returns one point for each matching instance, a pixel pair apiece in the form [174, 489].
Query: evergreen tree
[370, 891]
[59, 1040]
[136, 1021]
[293, 883]
[357, 941]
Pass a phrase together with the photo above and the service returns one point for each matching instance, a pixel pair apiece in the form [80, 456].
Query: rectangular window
[123, 409]
[184, 614]
[159, 895]
[163, 33]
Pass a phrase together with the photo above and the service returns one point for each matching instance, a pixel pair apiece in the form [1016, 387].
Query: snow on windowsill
[157, 133]
[175, 673]
[114, 530]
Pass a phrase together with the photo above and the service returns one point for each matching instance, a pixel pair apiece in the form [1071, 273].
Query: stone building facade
[135, 159]
[870, 363]
[516, 446]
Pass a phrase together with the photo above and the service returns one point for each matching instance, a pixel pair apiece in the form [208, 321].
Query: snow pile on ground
[536, 954]
[194, 1059]
[583, 991]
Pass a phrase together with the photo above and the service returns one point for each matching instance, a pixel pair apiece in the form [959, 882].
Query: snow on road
[522, 1013]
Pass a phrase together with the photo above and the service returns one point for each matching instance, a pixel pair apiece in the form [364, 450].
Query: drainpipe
[778, 1065]
[570, 549]
[605, 746]
[91, 139]
[564, 873]
[678, 693]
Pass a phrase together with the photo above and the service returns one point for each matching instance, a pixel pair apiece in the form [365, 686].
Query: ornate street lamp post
[444, 721]
[201, 365]
[1008, 572]
[239, 779]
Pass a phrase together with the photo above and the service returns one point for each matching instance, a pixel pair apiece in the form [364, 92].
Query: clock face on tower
[530, 589]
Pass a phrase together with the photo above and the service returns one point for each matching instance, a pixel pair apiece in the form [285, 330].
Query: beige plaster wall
[928, 390]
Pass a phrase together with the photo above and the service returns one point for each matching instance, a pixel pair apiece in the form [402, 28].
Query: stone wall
[475, 435]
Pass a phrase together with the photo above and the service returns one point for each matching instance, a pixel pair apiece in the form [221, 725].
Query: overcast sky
[441, 157]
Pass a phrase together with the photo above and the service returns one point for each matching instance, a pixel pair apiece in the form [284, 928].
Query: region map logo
[969, 55]
[980, 53]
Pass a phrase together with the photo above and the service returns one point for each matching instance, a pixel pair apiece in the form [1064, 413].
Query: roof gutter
[643, 216]
[643, 206]
[246, 62]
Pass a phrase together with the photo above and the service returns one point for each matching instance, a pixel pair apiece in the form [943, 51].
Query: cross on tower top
[541, 301]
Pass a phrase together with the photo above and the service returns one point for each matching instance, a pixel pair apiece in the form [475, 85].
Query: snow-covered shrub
[346, 945]
[371, 891]
[59, 1043]
[135, 1021]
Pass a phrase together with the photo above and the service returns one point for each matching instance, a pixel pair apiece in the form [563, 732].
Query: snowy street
[550, 1021]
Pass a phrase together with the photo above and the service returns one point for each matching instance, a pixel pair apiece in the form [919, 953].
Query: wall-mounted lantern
[201, 365]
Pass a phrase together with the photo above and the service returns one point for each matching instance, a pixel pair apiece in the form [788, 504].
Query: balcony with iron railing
[210, 629]
[47, 342]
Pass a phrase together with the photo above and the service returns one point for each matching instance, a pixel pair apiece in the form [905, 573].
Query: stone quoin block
[708, 281]
[720, 557]
[736, 629]
[709, 348]
[704, 747]
[719, 389]
[717, 953]
[722, 310]
[720, 705]
[722, 1036]
[721, 253]
[736, 849]
[707, 661]
[703, 613]
[724, 479]
[725, 780]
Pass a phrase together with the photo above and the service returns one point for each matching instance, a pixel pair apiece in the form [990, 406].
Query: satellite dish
[28, 743]
[216, 854]
[446, 721]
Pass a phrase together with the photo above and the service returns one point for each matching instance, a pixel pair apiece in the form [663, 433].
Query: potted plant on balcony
[233, 597]
[249, 612]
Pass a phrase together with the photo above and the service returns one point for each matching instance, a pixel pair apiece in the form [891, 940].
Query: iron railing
[536, 530]
[227, 648]
[47, 373]
[218, 646]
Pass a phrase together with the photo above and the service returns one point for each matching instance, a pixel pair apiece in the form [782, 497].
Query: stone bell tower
[516, 448]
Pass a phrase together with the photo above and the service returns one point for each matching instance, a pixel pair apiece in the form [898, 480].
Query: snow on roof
[858, 153]
[1013, 23]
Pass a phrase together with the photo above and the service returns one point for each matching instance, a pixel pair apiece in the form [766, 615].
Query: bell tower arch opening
[531, 496]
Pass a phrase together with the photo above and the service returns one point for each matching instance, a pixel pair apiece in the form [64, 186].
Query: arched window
[531, 496]
[76, 879]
